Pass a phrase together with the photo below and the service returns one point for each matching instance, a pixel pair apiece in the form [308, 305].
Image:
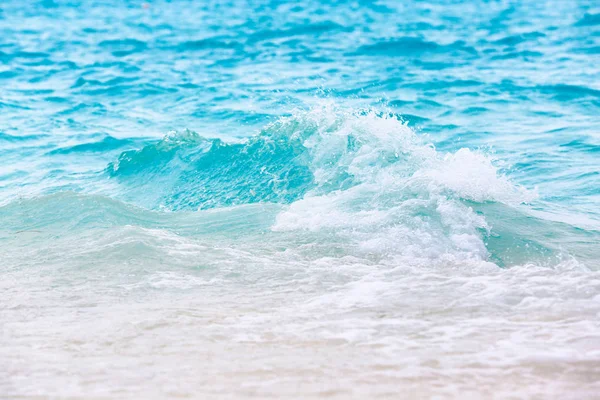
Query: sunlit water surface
[303, 200]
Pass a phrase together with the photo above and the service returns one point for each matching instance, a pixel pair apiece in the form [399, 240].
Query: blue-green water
[340, 198]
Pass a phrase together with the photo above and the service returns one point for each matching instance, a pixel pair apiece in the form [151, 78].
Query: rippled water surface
[299, 199]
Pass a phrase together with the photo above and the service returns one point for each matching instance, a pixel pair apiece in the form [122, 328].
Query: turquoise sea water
[299, 199]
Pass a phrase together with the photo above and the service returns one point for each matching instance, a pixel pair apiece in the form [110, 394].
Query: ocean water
[315, 199]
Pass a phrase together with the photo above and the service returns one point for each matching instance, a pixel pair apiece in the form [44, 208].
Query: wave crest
[363, 177]
[320, 151]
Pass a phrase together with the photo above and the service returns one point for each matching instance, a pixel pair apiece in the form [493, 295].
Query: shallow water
[268, 199]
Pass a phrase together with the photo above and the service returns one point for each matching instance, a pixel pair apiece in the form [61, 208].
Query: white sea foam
[406, 197]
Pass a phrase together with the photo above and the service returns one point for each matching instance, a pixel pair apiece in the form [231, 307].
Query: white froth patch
[404, 197]
[472, 176]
